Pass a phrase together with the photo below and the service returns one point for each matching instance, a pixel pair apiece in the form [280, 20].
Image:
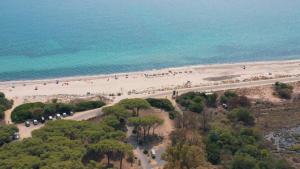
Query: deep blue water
[57, 38]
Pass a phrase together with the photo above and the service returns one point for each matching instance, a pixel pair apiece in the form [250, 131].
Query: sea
[61, 38]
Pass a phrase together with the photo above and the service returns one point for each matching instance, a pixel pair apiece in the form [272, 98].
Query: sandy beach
[154, 82]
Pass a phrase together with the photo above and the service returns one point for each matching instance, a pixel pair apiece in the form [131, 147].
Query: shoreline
[153, 82]
[99, 76]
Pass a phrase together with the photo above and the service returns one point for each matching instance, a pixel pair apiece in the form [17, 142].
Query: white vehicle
[35, 122]
[64, 114]
[58, 116]
[50, 118]
[16, 136]
[153, 153]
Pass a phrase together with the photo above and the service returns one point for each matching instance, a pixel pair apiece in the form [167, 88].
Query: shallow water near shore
[59, 38]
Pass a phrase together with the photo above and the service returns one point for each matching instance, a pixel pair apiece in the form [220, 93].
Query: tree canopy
[6, 133]
[5, 104]
[135, 104]
[37, 109]
[60, 143]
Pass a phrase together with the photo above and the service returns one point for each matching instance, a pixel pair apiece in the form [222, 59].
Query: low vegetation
[5, 104]
[283, 90]
[233, 100]
[196, 101]
[164, 104]
[6, 133]
[231, 140]
[36, 110]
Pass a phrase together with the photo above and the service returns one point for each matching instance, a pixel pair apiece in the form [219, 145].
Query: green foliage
[59, 144]
[36, 110]
[283, 90]
[119, 111]
[241, 115]
[87, 105]
[145, 124]
[232, 100]
[27, 111]
[1, 113]
[195, 101]
[228, 95]
[164, 104]
[6, 133]
[135, 104]
[243, 162]
[5, 104]
[183, 156]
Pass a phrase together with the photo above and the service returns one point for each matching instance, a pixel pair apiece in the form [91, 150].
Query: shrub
[243, 162]
[7, 104]
[283, 90]
[228, 95]
[241, 115]
[6, 133]
[173, 114]
[26, 111]
[234, 101]
[194, 101]
[211, 100]
[87, 105]
[36, 110]
[163, 104]
[1, 112]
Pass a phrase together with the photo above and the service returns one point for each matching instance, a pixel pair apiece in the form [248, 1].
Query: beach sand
[146, 83]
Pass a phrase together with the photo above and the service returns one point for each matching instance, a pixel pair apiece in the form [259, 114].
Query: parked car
[64, 114]
[16, 136]
[50, 118]
[43, 119]
[153, 153]
[58, 116]
[71, 113]
[35, 122]
[27, 123]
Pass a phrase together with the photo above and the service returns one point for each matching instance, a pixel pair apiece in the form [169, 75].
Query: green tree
[146, 123]
[283, 90]
[164, 104]
[241, 115]
[6, 133]
[135, 105]
[183, 156]
[111, 147]
[243, 162]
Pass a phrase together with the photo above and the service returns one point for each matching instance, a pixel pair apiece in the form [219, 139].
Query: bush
[243, 162]
[27, 111]
[163, 104]
[6, 133]
[234, 101]
[228, 95]
[241, 115]
[194, 101]
[37, 110]
[87, 105]
[5, 103]
[173, 115]
[1, 113]
[211, 100]
[283, 90]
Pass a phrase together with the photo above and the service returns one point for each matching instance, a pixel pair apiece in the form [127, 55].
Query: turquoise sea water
[57, 38]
